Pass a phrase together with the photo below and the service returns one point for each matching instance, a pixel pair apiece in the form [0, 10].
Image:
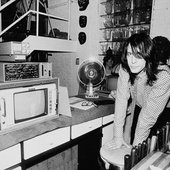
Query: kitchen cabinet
[121, 18]
[64, 142]
[101, 131]
[46, 142]
[84, 153]
[89, 143]
[88, 150]
[66, 159]
[10, 157]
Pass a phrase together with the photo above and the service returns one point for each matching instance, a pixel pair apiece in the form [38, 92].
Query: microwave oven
[14, 48]
[14, 51]
[29, 103]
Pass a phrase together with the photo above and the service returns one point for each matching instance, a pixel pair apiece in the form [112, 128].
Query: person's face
[136, 64]
[109, 63]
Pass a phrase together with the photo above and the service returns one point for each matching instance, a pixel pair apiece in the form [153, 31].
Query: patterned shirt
[151, 99]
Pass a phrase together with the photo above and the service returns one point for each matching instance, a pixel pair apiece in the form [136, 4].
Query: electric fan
[91, 73]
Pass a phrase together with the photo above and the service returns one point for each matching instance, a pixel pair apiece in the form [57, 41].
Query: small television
[25, 104]
[33, 104]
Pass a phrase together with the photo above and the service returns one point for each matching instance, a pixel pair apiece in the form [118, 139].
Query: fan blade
[91, 72]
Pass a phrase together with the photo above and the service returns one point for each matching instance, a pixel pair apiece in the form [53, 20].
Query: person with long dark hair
[162, 52]
[147, 83]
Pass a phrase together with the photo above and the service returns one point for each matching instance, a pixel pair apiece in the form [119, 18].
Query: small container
[108, 7]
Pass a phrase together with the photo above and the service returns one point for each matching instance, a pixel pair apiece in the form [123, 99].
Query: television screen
[29, 105]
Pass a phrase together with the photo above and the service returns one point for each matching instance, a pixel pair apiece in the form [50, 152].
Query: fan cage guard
[92, 70]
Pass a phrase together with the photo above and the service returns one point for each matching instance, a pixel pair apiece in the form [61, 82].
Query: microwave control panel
[24, 71]
[14, 47]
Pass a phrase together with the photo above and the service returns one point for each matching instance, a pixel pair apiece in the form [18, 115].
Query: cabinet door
[10, 157]
[46, 142]
[108, 128]
[88, 151]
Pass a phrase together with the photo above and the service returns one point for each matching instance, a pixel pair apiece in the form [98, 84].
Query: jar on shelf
[136, 16]
[117, 5]
[127, 18]
[145, 29]
[107, 34]
[148, 15]
[117, 19]
[121, 33]
[120, 47]
[114, 47]
[104, 47]
[108, 6]
[108, 21]
[128, 4]
[115, 34]
[122, 6]
[130, 31]
[126, 32]
[110, 45]
[137, 3]
[137, 29]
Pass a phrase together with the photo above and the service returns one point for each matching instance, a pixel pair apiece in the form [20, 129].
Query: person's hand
[112, 94]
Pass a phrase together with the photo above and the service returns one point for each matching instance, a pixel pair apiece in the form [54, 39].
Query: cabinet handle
[3, 107]
[90, 126]
[51, 144]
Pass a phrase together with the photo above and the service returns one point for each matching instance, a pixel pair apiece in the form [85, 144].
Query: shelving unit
[119, 19]
[44, 25]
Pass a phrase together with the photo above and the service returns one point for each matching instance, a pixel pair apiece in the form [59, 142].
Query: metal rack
[37, 41]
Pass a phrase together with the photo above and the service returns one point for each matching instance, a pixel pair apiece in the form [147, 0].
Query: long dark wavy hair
[142, 46]
[162, 49]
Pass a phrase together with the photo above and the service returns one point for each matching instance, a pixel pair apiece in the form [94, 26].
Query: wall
[160, 24]
[64, 64]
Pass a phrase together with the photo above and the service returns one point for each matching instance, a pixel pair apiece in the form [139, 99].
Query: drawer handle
[90, 126]
[51, 144]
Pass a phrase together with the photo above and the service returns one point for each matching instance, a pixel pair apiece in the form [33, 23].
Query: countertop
[12, 136]
[17, 134]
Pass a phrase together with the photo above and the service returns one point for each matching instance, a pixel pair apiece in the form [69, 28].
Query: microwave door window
[29, 105]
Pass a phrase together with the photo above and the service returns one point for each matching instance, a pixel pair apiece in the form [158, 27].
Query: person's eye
[139, 55]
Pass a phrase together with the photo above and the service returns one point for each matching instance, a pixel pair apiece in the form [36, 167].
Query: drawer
[108, 119]
[45, 142]
[10, 157]
[83, 128]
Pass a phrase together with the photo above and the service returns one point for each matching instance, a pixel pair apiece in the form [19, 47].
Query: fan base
[92, 96]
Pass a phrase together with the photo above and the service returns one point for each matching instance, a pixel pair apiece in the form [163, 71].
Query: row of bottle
[127, 18]
[122, 33]
[113, 6]
[116, 47]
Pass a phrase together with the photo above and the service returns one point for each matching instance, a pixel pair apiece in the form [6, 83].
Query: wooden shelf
[50, 44]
